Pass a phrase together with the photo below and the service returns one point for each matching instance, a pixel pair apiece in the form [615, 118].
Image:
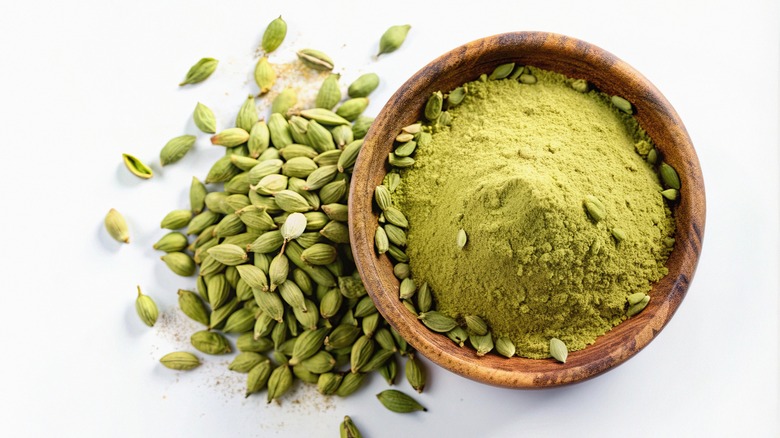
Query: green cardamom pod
[415, 373]
[476, 325]
[458, 335]
[305, 375]
[365, 307]
[200, 71]
[433, 106]
[381, 243]
[278, 271]
[117, 226]
[364, 85]
[222, 170]
[315, 59]
[636, 298]
[180, 360]
[462, 238]
[265, 76]
[291, 201]
[319, 363]
[218, 290]
[397, 401]
[293, 227]
[284, 101]
[335, 231]
[482, 343]
[370, 323]
[258, 377]
[395, 217]
[298, 150]
[384, 339]
[324, 117]
[404, 137]
[595, 208]
[270, 184]
[279, 130]
[292, 295]
[197, 195]
[328, 383]
[349, 384]
[344, 335]
[652, 156]
[240, 321]
[274, 35]
[256, 218]
[253, 276]
[378, 359]
[270, 304]
[619, 234]
[210, 342]
[245, 361]
[330, 303]
[192, 306]
[382, 197]
[352, 108]
[146, 308]
[239, 184]
[333, 192]
[319, 254]
[247, 342]
[307, 345]
[259, 139]
[173, 241]
[407, 289]
[398, 254]
[526, 78]
[204, 119]
[558, 350]
[307, 315]
[410, 307]
[669, 176]
[329, 94]
[391, 181]
[347, 428]
[361, 126]
[247, 115]
[342, 135]
[670, 194]
[638, 307]
[437, 321]
[315, 220]
[137, 167]
[202, 221]
[580, 85]
[318, 137]
[228, 254]
[336, 212]
[406, 149]
[279, 382]
[392, 39]
[230, 225]
[230, 137]
[424, 298]
[502, 71]
[362, 350]
[395, 235]
[622, 104]
[349, 155]
[180, 263]
[389, 371]
[400, 162]
[329, 158]
[505, 347]
[456, 96]
[401, 270]
[176, 148]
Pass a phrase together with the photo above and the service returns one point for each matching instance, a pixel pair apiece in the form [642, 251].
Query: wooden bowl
[576, 59]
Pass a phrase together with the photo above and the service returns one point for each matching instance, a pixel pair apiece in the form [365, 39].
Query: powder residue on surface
[513, 171]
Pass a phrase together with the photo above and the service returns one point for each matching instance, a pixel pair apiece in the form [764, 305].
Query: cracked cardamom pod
[137, 167]
[315, 59]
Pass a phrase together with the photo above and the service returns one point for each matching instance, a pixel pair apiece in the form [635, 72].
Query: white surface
[84, 82]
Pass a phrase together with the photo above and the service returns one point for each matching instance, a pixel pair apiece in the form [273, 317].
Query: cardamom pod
[369, 324]
[415, 373]
[622, 104]
[395, 217]
[230, 137]
[324, 117]
[392, 39]
[258, 377]
[274, 35]
[619, 234]
[458, 335]
[253, 276]
[291, 201]
[307, 345]
[456, 96]
[197, 195]
[247, 342]
[279, 382]
[321, 176]
[305, 375]
[424, 298]
[336, 232]
[173, 241]
[319, 254]
[365, 307]
[210, 342]
[200, 71]
[462, 238]
[502, 71]
[319, 363]
[146, 308]
[192, 306]
[247, 114]
[580, 85]
[437, 321]
[278, 271]
[410, 307]
[527, 78]
[361, 126]
[381, 243]
[265, 76]
[364, 85]
[389, 371]
[222, 170]
[204, 119]
[137, 167]
[270, 184]
[433, 106]
[349, 155]
[395, 235]
[259, 139]
[117, 226]
[652, 156]
[344, 335]
[293, 227]
[400, 162]
[329, 94]
[328, 383]
[505, 347]
[218, 290]
[176, 148]
[407, 289]
[318, 137]
[406, 149]
[482, 343]
[352, 108]
[362, 350]
[595, 208]
[180, 360]
[397, 254]
[336, 212]
[558, 350]
[384, 339]
[230, 225]
[228, 254]
[298, 150]
[284, 101]
[399, 402]
[669, 176]
[315, 59]
[670, 194]
[476, 325]
[404, 137]
[349, 384]
[202, 221]
[180, 263]
[342, 135]
[240, 321]
[333, 192]
[245, 361]
[638, 307]
[401, 270]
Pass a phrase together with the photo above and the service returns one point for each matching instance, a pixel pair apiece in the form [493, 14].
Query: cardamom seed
[315, 59]
[392, 39]
[230, 137]
[180, 263]
[399, 402]
[437, 321]
[362, 350]
[638, 307]
[176, 148]
[622, 104]
[117, 226]
[329, 94]
[669, 176]
[349, 155]
[595, 208]
[200, 71]
[279, 382]
[258, 377]
[180, 360]
[502, 71]
[415, 373]
[462, 238]
[505, 347]
[482, 343]
[146, 308]
[274, 35]
[352, 108]
[204, 119]
[363, 85]
[137, 167]
[324, 116]
[558, 350]
[265, 76]
[210, 342]
[284, 101]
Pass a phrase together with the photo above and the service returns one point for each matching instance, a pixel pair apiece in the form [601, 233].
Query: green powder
[513, 171]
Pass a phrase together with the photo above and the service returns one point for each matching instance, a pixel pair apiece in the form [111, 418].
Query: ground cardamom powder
[513, 171]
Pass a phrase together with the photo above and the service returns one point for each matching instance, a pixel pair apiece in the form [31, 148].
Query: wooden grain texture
[576, 59]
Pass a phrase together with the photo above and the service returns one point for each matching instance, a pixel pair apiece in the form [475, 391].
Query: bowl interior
[573, 58]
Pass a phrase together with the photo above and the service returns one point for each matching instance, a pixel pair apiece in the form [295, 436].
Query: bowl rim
[577, 57]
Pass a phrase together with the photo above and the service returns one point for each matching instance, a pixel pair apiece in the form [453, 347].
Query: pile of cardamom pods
[275, 273]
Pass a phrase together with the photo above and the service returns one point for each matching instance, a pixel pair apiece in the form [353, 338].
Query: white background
[81, 82]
